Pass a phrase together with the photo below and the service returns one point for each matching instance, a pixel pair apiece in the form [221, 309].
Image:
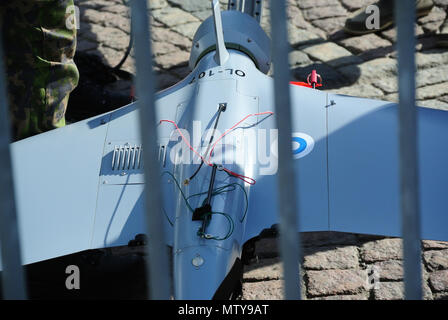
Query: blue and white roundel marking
[302, 145]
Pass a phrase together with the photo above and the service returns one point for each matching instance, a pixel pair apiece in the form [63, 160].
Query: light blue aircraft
[80, 187]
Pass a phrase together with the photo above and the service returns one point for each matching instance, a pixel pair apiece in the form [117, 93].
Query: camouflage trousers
[39, 38]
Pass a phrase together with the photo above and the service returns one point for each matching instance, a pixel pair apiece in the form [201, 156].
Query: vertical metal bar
[233, 5]
[250, 7]
[410, 205]
[13, 281]
[289, 237]
[158, 266]
[241, 5]
[257, 9]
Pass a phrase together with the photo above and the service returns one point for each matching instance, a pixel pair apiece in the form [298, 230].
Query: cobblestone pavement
[336, 265]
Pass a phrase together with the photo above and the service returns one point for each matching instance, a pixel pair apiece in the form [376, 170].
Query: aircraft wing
[363, 166]
[74, 187]
[350, 181]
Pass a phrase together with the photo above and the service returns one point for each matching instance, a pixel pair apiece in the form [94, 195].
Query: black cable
[128, 51]
[129, 48]
[208, 201]
[222, 108]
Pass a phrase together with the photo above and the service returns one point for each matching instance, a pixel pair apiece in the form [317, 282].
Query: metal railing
[287, 193]
[13, 283]
[408, 163]
[159, 280]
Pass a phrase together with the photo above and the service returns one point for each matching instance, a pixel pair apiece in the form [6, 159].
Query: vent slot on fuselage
[128, 157]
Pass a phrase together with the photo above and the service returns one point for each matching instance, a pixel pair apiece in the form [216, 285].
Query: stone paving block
[338, 34]
[110, 57]
[441, 3]
[392, 97]
[106, 19]
[295, 17]
[381, 52]
[388, 85]
[264, 269]
[202, 15]
[444, 99]
[433, 21]
[299, 37]
[353, 5]
[307, 4]
[192, 5]
[389, 291]
[163, 47]
[266, 290]
[173, 16]
[163, 34]
[434, 245]
[433, 104]
[425, 77]
[360, 90]
[395, 291]
[157, 4]
[174, 59]
[390, 270]
[331, 54]
[118, 10]
[391, 33]
[372, 70]
[436, 259]
[330, 25]
[361, 44]
[432, 76]
[360, 296]
[188, 30]
[95, 4]
[433, 91]
[431, 58]
[380, 250]
[317, 13]
[155, 23]
[440, 296]
[298, 58]
[438, 280]
[334, 257]
[336, 282]
[108, 37]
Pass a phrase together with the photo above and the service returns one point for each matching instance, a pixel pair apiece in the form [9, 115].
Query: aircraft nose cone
[200, 271]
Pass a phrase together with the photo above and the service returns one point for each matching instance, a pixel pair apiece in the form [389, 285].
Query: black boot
[358, 23]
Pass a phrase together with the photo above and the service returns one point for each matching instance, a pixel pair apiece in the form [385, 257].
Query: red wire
[225, 133]
[248, 180]
[186, 141]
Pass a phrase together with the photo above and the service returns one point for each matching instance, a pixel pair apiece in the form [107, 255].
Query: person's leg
[357, 25]
[39, 51]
